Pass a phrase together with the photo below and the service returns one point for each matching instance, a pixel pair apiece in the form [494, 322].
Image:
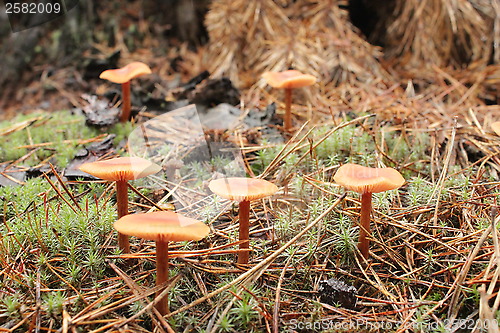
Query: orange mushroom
[121, 170]
[162, 227]
[288, 80]
[366, 181]
[243, 190]
[123, 76]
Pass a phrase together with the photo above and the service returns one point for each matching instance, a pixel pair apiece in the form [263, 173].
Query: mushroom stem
[287, 120]
[244, 216]
[162, 274]
[125, 116]
[122, 205]
[366, 208]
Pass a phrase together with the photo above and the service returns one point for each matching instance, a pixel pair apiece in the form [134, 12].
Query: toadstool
[123, 76]
[243, 190]
[288, 80]
[162, 227]
[121, 170]
[366, 181]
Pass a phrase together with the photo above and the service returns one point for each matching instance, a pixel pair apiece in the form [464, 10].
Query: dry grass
[442, 33]
[316, 37]
[311, 36]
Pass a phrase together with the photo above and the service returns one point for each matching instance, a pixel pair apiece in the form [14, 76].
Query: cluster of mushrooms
[167, 226]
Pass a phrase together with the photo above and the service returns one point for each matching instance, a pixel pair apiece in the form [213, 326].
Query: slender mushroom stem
[125, 116]
[244, 216]
[162, 274]
[287, 121]
[366, 208]
[122, 205]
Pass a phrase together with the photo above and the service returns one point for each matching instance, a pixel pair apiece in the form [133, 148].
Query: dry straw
[315, 37]
[419, 75]
[442, 32]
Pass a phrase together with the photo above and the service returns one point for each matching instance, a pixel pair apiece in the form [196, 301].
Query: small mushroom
[366, 181]
[123, 76]
[162, 227]
[121, 170]
[243, 190]
[288, 80]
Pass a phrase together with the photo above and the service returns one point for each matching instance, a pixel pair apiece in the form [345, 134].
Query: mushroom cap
[121, 168]
[162, 226]
[368, 180]
[496, 127]
[126, 73]
[289, 79]
[242, 189]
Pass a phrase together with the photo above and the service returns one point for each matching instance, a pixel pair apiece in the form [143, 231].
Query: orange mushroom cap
[242, 189]
[289, 79]
[368, 180]
[127, 73]
[162, 226]
[121, 168]
[496, 127]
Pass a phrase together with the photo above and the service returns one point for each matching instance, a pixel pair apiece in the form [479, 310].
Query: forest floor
[434, 252]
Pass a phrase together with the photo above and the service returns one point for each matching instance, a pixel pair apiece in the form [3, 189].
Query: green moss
[11, 305]
[407, 147]
[384, 200]
[53, 136]
[345, 237]
[122, 131]
[419, 191]
[265, 156]
[55, 230]
[348, 144]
